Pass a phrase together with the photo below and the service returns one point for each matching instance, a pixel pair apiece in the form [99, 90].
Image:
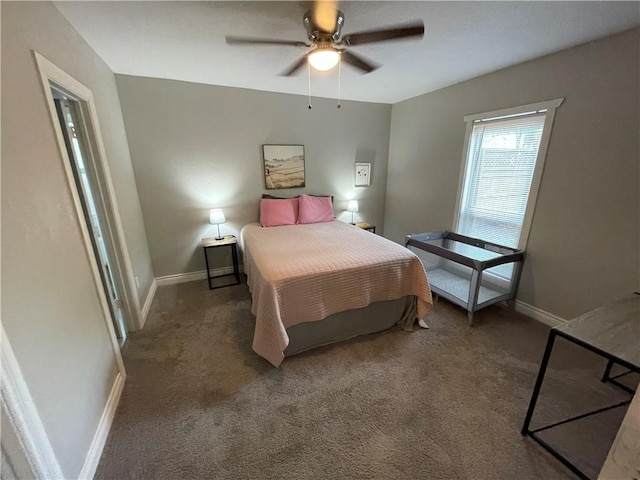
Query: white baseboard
[192, 276]
[99, 439]
[182, 278]
[148, 301]
[538, 314]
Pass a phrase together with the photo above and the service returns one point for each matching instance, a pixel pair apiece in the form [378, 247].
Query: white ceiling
[185, 41]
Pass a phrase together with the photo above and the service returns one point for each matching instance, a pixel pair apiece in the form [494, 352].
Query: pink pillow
[315, 209]
[278, 212]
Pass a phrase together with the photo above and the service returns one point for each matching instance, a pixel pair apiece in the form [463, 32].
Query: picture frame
[362, 174]
[283, 166]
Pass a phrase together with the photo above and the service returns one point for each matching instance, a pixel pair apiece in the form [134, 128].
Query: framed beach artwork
[363, 174]
[283, 166]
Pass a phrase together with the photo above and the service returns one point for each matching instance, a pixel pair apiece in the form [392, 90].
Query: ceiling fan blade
[295, 67]
[232, 40]
[414, 30]
[325, 14]
[359, 62]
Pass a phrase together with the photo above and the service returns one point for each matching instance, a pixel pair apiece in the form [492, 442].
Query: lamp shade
[352, 206]
[324, 59]
[216, 216]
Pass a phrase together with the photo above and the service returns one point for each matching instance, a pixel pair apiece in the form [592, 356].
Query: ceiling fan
[327, 45]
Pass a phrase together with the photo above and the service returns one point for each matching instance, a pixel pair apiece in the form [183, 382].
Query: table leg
[206, 261]
[607, 371]
[539, 380]
[236, 268]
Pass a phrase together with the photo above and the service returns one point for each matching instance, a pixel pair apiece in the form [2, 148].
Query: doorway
[78, 145]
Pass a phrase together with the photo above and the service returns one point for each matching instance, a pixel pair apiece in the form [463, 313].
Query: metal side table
[612, 332]
[228, 241]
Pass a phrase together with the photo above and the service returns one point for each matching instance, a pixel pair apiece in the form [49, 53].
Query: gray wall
[195, 147]
[584, 240]
[50, 307]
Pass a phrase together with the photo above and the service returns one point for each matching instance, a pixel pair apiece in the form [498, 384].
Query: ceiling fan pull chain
[339, 79]
[309, 72]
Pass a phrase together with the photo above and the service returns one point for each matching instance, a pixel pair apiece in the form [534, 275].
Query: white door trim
[50, 76]
[20, 409]
[50, 73]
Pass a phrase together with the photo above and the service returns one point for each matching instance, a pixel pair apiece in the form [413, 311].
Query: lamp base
[219, 237]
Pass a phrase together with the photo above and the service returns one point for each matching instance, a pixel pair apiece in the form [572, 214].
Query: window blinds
[500, 165]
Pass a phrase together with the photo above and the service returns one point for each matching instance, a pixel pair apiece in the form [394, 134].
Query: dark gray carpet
[444, 403]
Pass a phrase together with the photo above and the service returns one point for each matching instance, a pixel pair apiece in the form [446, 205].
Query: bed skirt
[341, 326]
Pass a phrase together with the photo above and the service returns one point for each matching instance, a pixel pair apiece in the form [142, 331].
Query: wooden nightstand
[366, 226]
[228, 241]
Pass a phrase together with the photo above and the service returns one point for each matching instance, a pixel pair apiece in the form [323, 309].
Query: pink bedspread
[304, 273]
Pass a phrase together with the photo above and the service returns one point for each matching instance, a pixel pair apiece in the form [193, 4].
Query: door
[79, 151]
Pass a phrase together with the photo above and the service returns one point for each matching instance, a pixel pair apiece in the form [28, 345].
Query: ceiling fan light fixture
[324, 59]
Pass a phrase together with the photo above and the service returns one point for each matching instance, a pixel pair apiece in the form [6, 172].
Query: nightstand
[228, 241]
[366, 226]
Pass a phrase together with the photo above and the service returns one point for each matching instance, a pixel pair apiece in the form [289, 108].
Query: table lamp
[352, 207]
[216, 217]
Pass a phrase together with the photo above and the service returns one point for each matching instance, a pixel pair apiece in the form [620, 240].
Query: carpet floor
[443, 403]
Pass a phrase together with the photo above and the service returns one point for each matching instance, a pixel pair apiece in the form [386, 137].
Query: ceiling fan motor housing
[327, 47]
[314, 33]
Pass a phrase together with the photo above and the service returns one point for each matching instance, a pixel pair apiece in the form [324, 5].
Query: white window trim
[550, 106]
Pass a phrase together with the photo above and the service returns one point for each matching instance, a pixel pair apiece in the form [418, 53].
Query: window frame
[550, 107]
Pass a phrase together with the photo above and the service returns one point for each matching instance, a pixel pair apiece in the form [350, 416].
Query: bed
[320, 283]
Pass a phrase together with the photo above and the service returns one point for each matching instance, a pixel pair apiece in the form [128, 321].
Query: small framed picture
[283, 166]
[363, 174]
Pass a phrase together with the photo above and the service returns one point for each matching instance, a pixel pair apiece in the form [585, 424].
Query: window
[502, 168]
